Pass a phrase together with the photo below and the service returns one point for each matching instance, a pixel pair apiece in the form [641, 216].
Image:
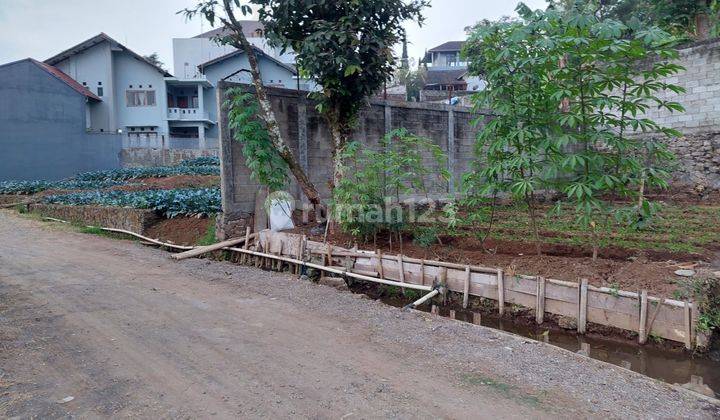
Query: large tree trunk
[340, 139]
[702, 22]
[239, 41]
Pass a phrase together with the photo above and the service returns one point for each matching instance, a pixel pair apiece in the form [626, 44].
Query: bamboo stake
[582, 307]
[540, 305]
[477, 318]
[422, 272]
[466, 288]
[688, 333]
[501, 291]
[401, 268]
[243, 257]
[434, 310]
[298, 255]
[443, 282]
[642, 333]
[452, 314]
[205, 249]
[380, 263]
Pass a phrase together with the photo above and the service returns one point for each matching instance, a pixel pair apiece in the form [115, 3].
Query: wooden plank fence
[668, 318]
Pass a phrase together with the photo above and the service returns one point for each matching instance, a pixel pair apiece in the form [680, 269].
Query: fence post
[642, 332]
[582, 307]
[501, 291]
[451, 150]
[466, 288]
[540, 305]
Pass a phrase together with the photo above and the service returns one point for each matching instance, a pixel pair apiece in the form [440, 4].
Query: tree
[346, 47]
[692, 18]
[212, 11]
[154, 59]
[570, 91]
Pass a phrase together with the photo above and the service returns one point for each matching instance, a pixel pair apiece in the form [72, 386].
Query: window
[100, 91]
[140, 98]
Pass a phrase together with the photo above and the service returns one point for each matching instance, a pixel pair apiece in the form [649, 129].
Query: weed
[209, 237]
[425, 236]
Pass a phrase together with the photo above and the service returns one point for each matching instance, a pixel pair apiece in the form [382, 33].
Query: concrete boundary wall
[449, 127]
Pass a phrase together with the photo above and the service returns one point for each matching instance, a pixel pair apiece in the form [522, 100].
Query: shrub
[368, 198]
[150, 172]
[169, 203]
[32, 187]
[201, 161]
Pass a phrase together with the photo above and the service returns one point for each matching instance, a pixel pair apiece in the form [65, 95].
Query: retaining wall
[135, 220]
[636, 312]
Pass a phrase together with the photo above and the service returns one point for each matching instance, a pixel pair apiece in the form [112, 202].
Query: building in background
[46, 118]
[446, 70]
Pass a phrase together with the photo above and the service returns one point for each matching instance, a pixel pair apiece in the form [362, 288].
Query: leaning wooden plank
[214, 247]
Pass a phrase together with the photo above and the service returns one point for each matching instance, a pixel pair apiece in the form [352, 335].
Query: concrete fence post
[451, 151]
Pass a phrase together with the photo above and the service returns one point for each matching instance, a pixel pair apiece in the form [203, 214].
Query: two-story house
[447, 71]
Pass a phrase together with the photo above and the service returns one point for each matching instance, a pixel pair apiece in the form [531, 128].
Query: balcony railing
[187, 114]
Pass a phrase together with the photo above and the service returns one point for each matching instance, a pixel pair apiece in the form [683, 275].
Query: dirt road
[125, 331]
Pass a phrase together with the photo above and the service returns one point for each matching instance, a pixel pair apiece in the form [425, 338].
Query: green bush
[169, 203]
[201, 161]
[32, 187]
[150, 172]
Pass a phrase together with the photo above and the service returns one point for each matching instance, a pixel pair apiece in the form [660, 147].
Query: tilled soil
[125, 331]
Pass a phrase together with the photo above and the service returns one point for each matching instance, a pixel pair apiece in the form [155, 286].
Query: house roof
[445, 77]
[448, 46]
[258, 52]
[99, 39]
[250, 28]
[55, 72]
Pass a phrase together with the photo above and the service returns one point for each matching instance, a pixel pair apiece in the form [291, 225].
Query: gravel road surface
[94, 327]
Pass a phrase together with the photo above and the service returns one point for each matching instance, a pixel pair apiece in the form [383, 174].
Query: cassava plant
[570, 93]
[368, 199]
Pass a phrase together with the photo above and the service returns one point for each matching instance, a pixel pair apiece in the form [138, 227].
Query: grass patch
[209, 237]
[677, 228]
[510, 391]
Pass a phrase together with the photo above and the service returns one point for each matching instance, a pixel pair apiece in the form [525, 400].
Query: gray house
[45, 116]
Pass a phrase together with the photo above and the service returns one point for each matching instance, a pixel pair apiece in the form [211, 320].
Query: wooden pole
[434, 310]
[582, 307]
[642, 332]
[688, 327]
[243, 257]
[477, 318]
[443, 282]
[380, 263]
[452, 314]
[401, 268]
[540, 304]
[501, 291]
[422, 272]
[466, 287]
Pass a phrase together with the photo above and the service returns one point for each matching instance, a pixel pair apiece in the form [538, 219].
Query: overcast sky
[42, 28]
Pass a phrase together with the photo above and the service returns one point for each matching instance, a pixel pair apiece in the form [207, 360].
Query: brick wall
[698, 150]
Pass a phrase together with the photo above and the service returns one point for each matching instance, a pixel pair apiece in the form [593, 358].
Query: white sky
[43, 28]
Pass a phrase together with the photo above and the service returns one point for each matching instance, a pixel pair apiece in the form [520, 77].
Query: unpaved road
[125, 331]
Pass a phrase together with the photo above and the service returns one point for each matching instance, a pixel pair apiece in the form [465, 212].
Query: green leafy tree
[345, 46]
[571, 92]
[154, 59]
[689, 18]
[226, 12]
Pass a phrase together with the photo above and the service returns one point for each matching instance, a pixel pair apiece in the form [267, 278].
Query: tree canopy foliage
[570, 92]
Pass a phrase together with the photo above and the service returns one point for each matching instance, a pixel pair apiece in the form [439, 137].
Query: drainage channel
[671, 366]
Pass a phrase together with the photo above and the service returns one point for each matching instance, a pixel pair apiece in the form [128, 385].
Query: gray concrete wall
[305, 129]
[698, 150]
[42, 128]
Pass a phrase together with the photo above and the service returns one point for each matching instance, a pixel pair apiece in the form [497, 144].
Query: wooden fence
[646, 315]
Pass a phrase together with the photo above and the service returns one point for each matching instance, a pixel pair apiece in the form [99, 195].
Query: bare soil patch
[180, 230]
